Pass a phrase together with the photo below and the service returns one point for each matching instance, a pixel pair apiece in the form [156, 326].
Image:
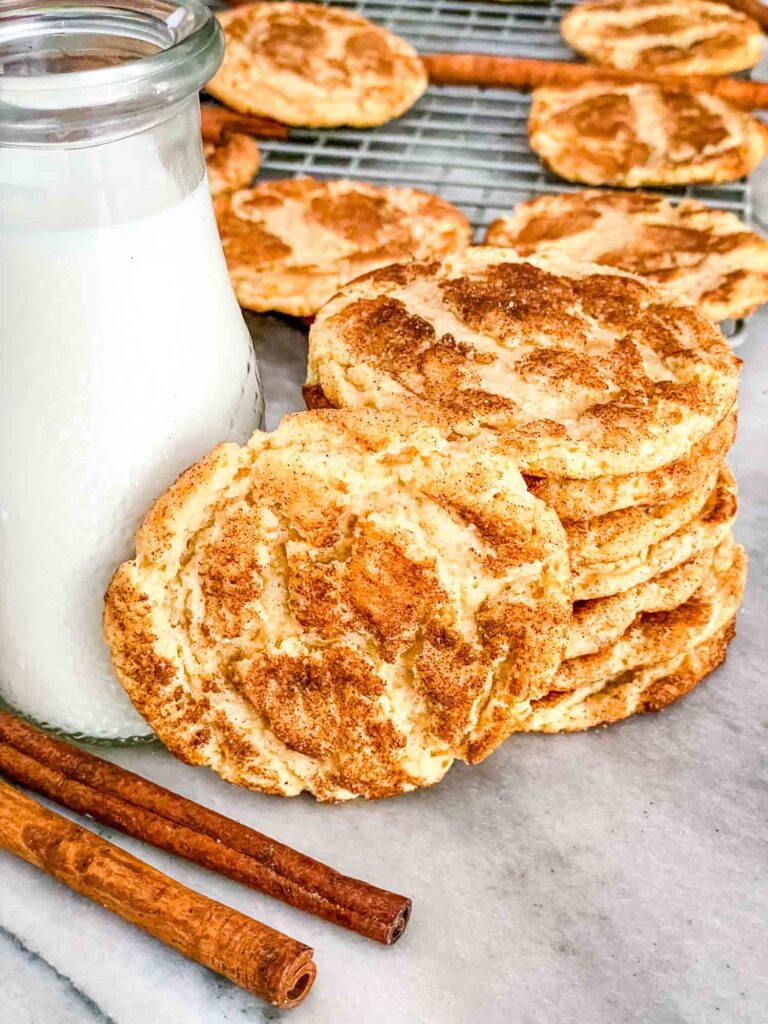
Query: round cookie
[619, 535]
[696, 37]
[584, 499]
[342, 606]
[580, 370]
[601, 622]
[291, 244]
[704, 533]
[315, 66]
[641, 134]
[657, 636]
[232, 162]
[637, 692]
[703, 256]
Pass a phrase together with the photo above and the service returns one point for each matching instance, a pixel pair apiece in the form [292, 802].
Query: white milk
[123, 358]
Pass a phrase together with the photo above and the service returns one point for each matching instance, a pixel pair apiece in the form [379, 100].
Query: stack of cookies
[515, 516]
[619, 407]
[508, 508]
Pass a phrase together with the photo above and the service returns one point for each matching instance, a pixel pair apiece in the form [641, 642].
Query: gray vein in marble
[21, 967]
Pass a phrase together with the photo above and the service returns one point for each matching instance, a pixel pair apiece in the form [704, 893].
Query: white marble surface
[616, 877]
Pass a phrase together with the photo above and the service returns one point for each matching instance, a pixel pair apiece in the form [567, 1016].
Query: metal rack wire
[466, 144]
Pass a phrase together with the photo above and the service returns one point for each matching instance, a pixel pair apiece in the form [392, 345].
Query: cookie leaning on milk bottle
[343, 606]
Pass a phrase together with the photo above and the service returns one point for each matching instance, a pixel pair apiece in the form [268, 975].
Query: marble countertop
[614, 877]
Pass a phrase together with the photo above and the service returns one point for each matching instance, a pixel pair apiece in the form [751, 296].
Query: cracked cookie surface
[315, 66]
[290, 245]
[603, 133]
[580, 370]
[702, 256]
[342, 606]
[695, 37]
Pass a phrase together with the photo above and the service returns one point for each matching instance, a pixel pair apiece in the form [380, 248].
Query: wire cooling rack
[468, 145]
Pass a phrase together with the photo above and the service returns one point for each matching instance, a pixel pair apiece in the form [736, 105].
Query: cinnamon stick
[255, 957]
[752, 8]
[524, 74]
[216, 122]
[90, 785]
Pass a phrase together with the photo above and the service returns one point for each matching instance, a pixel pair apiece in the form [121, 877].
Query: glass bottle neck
[77, 74]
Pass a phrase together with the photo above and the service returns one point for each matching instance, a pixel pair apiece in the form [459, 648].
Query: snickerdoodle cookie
[231, 161]
[660, 659]
[342, 606]
[600, 622]
[694, 37]
[703, 256]
[604, 133]
[638, 691]
[316, 66]
[659, 635]
[703, 533]
[580, 370]
[574, 499]
[291, 244]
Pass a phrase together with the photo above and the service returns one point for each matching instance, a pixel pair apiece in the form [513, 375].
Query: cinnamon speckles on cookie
[232, 162]
[291, 244]
[316, 66]
[696, 37]
[579, 370]
[603, 133]
[700, 255]
[344, 606]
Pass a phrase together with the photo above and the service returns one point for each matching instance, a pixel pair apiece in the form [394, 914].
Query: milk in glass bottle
[123, 354]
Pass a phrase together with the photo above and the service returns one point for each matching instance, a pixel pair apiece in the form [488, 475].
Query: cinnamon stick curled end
[400, 923]
[289, 978]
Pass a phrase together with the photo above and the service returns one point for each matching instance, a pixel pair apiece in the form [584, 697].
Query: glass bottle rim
[76, 72]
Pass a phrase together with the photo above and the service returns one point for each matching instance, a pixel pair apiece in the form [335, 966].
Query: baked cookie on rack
[343, 606]
[639, 134]
[314, 66]
[701, 255]
[694, 37]
[291, 244]
[232, 162]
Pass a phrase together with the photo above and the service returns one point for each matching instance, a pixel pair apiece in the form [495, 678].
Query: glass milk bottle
[123, 354]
